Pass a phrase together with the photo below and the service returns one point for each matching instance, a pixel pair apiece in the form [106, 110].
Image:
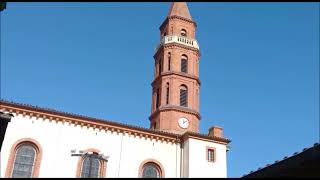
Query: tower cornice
[175, 108]
[175, 73]
[174, 44]
[176, 17]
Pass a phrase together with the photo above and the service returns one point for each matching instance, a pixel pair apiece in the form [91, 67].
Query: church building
[41, 142]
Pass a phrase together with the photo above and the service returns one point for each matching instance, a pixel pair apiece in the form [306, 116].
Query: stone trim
[12, 156]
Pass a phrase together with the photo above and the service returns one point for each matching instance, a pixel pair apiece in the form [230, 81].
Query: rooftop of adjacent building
[305, 164]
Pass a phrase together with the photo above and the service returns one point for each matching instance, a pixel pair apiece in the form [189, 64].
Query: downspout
[120, 154]
[176, 156]
[178, 142]
[181, 158]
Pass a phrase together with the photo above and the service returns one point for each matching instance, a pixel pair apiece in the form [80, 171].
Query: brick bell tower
[176, 84]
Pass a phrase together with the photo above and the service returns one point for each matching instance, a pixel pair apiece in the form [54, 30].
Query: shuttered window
[183, 96]
[158, 98]
[167, 98]
[160, 66]
[184, 65]
[169, 62]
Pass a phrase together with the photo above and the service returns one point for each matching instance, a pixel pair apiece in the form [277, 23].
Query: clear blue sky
[259, 68]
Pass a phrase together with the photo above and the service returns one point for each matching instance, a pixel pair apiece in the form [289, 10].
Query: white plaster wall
[185, 162]
[198, 164]
[134, 151]
[57, 140]
[126, 152]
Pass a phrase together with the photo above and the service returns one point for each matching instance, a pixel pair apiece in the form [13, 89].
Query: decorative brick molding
[176, 17]
[175, 45]
[74, 119]
[12, 156]
[178, 74]
[175, 108]
[103, 164]
[153, 161]
[57, 116]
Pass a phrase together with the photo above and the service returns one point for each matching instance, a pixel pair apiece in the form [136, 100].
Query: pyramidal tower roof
[179, 9]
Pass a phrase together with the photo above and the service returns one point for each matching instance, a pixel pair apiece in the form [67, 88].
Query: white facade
[126, 150]
[199, 166]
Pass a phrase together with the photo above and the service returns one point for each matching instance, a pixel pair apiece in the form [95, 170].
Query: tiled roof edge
[159, 132]
[284, 158]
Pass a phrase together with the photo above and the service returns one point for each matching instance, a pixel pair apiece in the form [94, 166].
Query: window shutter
[184, 65]
[183, 97]
[158, 99]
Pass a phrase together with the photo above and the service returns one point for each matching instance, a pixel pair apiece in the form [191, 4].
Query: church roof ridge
[109, 122]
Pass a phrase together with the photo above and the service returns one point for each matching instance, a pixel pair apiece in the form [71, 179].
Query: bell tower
[176, 84]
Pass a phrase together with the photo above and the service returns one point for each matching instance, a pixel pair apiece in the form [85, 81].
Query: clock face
[183, 123]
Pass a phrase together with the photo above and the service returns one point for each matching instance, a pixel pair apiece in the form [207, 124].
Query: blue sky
[259, 68]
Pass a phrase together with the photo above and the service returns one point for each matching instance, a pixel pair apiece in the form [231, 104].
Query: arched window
[169, 61]
[167, 93]
[151, 169]
[158, 98]
[183, 95]
[24, 160]
[23, 163]
[183, 32]
[155, 68]
[160, 66]
[184, 64]
[90, 167]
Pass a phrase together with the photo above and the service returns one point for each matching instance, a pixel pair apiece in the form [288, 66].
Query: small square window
[211, 155]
